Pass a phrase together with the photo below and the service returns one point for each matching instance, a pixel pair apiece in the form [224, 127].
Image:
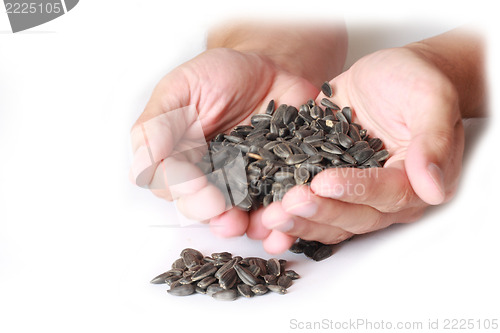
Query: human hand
[401, 97]
[224, 88]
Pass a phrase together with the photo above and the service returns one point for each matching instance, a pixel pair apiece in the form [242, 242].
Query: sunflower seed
[341, 117]
[182, 290]
[245, 290]
[314, 139]
[200, 290]
[329, 104]
[354, 133]
[284, 281]
[245, 275]
[359, 145]
[190, 260]
[205, 282]
[161, 278]
[261, 263]
[233, 138]
[204, 271]
[323, 252]
[185, 280]
[290, 114]
[226, 295]
[327, 89]
[306, 116]
[332, 148]
[282, 175]
[292, 274]
[381, 155]
[316, 112]
[308, 149]
[259, 120]
[277, 289]
[254, 269]
[273, 266]
[282, 150]
[375, 143]
[214, 288]
[297, 247]
[363, 155]
[259, 289]
[296, 159]
[270, 279]
[270, 107]
[345, 140]
[228, 279]
[222, 255]
[341, 127]
[347, 112]
[179, 263]
[301, 175]
[372, 163]
[277, 117]
[171, 279]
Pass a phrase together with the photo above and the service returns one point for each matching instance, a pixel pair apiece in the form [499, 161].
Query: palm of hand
[227, 87]
[400, 98]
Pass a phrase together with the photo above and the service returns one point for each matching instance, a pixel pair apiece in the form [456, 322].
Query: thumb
[434, 156]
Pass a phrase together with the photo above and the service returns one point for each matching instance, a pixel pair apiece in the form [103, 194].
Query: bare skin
[413, 98]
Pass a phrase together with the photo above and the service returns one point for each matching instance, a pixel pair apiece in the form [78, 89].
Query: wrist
[314, 53]
[458, 55]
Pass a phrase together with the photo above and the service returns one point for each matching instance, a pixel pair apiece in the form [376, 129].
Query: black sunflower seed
[327, 89]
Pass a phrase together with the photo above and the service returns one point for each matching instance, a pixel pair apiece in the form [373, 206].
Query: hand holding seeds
[404, 99]
[212, 93]
[407, 97]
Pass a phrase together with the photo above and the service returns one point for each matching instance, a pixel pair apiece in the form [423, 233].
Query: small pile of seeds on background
[285, 147]
[225, 277]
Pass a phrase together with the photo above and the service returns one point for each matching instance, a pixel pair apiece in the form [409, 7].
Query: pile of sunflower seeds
[225, 277]
[285, 147]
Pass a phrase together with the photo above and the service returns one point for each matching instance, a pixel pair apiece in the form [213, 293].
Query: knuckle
[413, 215]
[402, 200]
[340, 237]
[376, 223]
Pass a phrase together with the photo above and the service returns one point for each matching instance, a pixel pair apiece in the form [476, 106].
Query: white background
[79, 243]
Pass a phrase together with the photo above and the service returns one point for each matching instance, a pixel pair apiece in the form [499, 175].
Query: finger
[275, 217]
[232, 223]
[177, 178]
[277, 242]
[160, 128]
[296, 94]
[177, 132]
[203, 204]
[256, 230]
[353, 218]
[386, 189]
[433, 160]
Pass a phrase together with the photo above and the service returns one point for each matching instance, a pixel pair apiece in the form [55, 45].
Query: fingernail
[437, 177]
[303, 209]
[284, 227]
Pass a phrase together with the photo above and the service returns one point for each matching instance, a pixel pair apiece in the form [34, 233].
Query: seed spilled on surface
[225, 277]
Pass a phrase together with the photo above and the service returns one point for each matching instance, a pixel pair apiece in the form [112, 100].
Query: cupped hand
[209, 94]
[399, 96]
